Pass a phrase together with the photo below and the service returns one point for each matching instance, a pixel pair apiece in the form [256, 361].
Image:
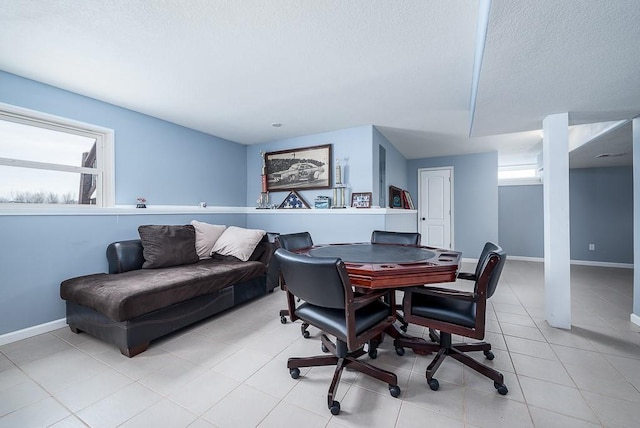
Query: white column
[635, 316]
[557, 275]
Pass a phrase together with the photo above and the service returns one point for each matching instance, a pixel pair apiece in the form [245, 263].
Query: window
[518, 175]
[50, 160]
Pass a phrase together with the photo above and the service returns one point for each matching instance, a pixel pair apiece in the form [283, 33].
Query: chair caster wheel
[394, 390]
[489, 355]
[324, 347]
[400, 350]
[502, 388]
[283, 320]
[433, 337]
[403, 327]
[295, 373]
[434, 384]
[335, 408]
[373, 353]
[306, 334]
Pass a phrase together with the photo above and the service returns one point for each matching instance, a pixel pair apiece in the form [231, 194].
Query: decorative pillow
[164, 246]
[206, 235]
[238, 242]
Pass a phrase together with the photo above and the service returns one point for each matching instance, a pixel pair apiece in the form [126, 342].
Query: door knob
[423, 219]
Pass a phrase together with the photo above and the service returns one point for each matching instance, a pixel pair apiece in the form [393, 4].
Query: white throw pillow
[238, 242]
[206, 236]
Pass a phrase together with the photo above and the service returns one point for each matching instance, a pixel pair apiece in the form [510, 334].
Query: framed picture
[293, 201]
[304, 168]
[361, 200]
[395, 197]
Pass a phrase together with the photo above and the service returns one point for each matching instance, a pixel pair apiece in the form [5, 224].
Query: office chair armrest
[447, 292]
[360, 300]
[467, 275]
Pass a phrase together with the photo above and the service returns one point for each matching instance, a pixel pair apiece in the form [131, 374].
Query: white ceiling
[231, 68]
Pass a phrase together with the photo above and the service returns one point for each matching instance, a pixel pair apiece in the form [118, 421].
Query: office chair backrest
[296, 241]
[488, 248]
[492, 266]
[320, 281]
[404, 238]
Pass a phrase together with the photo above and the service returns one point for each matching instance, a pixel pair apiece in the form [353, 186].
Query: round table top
[374, 253]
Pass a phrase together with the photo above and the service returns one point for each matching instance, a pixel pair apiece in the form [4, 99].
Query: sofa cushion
[206, 235]
[238, 242]
[127, 295]
[164, 246]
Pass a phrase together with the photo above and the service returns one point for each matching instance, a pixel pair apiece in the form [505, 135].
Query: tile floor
[230, 371]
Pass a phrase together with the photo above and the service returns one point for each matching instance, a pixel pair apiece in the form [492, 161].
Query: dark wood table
[390, 266]
[382, 266]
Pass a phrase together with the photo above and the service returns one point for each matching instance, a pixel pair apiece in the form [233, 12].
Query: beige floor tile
[39, 414]
[163, 414]
[286, 414]
[242, 364]
[557, 398]
[203, 392]
[494, 410]
[119, 407]
[69, 422]
[172, 376]
[34, 348]
[86, 392]
[412, 416]
[614, 412]
[364, 408]
[243, 407]
[447, 400]
[520, 331]
[11, 376]
[547, 419]
[550, 371]
[273, 378]
[530, 347]
[21, 395]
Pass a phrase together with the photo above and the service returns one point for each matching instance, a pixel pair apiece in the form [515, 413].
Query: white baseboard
[14, 336]
[573, 262]
[635, 319]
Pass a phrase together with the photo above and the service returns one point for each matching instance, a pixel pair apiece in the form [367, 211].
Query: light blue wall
[601, 210]
[38, 252]
[352, 143]
[521, 220]
[166, 163]
[602, 214]
[396, 166]
[475, 194]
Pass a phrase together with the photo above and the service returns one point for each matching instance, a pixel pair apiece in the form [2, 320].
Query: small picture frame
[293, 201]
[395, 197]
[361, 200]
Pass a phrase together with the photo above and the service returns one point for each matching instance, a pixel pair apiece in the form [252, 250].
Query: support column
[557, 274]
[635, 316]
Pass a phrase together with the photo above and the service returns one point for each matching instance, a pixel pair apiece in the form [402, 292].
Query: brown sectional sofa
[130, 306]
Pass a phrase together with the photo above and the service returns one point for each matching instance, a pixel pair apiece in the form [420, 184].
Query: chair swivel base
[444, 348]
[350, 360]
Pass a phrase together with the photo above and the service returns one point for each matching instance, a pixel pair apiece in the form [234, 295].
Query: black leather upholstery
[401, 238]
[456, 312]
[331, 306]
[124, 256]
[295, 241]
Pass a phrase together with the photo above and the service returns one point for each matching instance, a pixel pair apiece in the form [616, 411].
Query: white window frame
[105, 180]
[537, 179]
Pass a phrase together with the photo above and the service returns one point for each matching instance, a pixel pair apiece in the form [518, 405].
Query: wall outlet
[592, 247]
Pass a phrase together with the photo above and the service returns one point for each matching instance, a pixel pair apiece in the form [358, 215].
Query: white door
[434, 207]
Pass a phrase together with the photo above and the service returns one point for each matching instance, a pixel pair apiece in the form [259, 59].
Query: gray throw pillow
[164, 246]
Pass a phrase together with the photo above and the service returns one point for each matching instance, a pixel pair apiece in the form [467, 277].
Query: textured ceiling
[231, 68]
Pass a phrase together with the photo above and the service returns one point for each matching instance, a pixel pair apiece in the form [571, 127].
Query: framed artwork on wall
[302, 168]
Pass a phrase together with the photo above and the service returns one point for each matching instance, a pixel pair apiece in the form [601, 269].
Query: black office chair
[330, 305]
[455, 312]
[292, 242]
[396, 238]
[401, 238]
